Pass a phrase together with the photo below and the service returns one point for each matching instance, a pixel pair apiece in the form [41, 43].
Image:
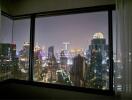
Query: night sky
[77, 29]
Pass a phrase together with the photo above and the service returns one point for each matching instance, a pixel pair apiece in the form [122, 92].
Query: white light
[59, 71]
[119, 76]
[69, 62]
[58, 61]
[107, 70]
[44, 58]
[104, 88]
[103, 62]
[98, 35]
[8, 60]
[66, 45]
[23, 70]
[23, 59]
[119, 86]
[95, 71]
[26, 43]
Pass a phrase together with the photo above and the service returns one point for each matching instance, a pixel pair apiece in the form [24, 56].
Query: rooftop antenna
[66, 45]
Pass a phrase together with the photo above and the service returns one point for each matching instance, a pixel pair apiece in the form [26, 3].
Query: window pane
[6, 48]
[21, 36]
[72, 50]
[6, 30]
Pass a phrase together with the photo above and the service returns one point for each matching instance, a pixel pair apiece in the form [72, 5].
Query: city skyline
[75, 28]
[56, 33]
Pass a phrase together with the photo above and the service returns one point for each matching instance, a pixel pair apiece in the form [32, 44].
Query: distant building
[78, 70]
[52, 65]
[37, 63]
[8, 61]
[24, 61]
[51, 52]
[63, 60]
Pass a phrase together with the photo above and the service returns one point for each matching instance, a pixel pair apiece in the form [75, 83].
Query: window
[14, 48]
[69, 48]
[72, 50]
[6, 47]
[21, 37]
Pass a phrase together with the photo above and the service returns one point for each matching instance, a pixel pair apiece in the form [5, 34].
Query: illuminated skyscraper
[24, 61]
[63, 60]
[37, 63]
[52, 65]
[99, 65]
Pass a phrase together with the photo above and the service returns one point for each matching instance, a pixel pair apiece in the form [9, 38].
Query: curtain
[124, 42]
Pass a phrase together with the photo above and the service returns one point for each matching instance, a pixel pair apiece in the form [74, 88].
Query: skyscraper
[98, 73]
[78, 70]
[51, 52]
[52, 65]
[24, 61]
[37, 63]
[63, 60]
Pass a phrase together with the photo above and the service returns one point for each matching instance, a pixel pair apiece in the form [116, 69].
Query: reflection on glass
[7, 49]
[71, 50]
[118, 68]
[14, 53]
[21, 36]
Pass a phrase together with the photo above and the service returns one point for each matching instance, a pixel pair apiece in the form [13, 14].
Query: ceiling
[20, 7]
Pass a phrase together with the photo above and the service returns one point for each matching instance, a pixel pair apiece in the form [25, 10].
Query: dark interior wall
[6, 5]
[18, 7]
[13, 90]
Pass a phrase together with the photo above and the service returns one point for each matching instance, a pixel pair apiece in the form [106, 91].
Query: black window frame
[33, 16]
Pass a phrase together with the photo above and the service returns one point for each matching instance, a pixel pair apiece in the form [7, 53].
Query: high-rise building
[37, 63]
[50, 52]
[8, 61]
[63, 60]
[99, 63]
[52, 65]
[24, 61]
[78, 71]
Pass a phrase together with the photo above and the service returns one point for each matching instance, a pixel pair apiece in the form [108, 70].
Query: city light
[83, 67]
[98, 35]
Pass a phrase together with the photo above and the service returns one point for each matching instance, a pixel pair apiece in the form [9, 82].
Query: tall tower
[63, 60]
[98, 51]
[78, 70]
[66, 45]
[50, 52]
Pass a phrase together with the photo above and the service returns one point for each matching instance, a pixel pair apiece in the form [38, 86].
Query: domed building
[98, 35]
[98, 54]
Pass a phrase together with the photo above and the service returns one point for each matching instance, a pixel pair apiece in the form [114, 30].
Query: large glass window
[72, 50]
[6, 48]
[69, 49]
[21, 37]
[14, 48]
